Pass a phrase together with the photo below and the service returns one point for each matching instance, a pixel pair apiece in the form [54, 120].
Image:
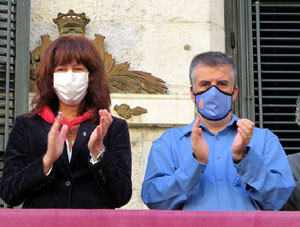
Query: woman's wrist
[98, 158]
[47, 164]
[97, 151]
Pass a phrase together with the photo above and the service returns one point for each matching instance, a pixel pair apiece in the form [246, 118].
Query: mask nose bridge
[213, 90]
[68, 78]
[69, 72]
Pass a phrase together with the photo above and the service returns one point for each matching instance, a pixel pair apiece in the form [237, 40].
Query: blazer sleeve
[293, 203]
[21, 174]
[114, 170]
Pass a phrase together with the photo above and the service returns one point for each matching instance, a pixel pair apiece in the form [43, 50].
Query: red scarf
[47, 114]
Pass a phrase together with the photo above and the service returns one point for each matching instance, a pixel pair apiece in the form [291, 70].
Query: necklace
[70, 133]
[73, 130]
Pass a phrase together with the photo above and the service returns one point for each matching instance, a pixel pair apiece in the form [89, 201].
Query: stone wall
[160, 37]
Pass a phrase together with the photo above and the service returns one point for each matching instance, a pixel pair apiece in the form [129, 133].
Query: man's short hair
[213, 59]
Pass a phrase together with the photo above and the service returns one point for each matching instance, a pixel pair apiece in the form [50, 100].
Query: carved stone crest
[121, 79]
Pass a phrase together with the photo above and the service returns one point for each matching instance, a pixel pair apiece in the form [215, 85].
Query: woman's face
[73, 66]
[70, 83]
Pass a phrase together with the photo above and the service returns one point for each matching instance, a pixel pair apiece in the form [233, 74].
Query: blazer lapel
[65, 159]
[64, 156]
[46, 125]
[83, 135]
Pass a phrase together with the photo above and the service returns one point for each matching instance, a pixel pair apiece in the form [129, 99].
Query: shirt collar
[188, 129]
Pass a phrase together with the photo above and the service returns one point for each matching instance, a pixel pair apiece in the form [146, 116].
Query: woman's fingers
[54, 131]
[63, 132]
[105, 121]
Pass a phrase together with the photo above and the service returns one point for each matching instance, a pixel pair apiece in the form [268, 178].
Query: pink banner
[135, 218]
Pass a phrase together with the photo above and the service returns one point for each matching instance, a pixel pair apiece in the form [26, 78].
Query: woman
[68, 152]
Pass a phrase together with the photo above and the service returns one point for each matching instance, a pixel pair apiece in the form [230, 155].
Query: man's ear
[235, 92]
[192, 95]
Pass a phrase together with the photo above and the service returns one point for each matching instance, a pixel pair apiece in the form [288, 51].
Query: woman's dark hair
[65, 50]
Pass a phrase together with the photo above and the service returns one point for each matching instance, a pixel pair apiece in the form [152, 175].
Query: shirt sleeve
[165, 186]
[267, 174]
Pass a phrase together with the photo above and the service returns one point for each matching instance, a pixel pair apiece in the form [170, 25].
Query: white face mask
[70, 87]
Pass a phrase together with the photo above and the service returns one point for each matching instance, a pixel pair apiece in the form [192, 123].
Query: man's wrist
[202, 161]
[239, 158]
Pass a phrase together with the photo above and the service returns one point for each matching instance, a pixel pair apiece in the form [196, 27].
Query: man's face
[220, 76]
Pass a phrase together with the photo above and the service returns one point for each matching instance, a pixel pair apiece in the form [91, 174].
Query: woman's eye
[60, 69]
[78, 69]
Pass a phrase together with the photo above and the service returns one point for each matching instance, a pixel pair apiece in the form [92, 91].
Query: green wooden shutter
[264, 36]
[14, 66]
[276, 58]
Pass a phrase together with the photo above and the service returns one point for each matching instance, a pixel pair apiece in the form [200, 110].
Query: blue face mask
[213, 103]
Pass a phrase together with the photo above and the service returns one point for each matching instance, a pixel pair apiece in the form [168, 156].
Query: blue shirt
[174, 179]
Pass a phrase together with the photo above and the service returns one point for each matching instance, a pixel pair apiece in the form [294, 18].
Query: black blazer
[75, 184]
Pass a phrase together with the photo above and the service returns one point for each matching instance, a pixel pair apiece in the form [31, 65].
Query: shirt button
[220, 178]
[218, 157]
[222, 201]
[67, 183]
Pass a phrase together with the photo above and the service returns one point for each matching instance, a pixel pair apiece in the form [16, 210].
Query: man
[293, 202]
[218, 162]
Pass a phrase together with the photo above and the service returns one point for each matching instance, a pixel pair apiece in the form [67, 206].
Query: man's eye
[204, 85]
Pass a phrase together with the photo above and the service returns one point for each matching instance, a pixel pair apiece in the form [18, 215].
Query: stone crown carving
[71, 22]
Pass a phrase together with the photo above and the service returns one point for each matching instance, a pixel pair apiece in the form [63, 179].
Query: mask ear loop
[193, 90]
[233, 89]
